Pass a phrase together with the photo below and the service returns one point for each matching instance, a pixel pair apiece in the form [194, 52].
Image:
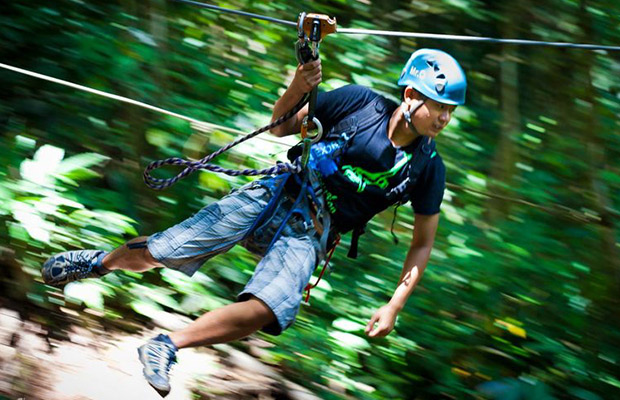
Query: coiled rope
[191, 166]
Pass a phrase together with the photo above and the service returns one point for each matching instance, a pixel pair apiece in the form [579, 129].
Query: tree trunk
[604, 284]
[503, 166]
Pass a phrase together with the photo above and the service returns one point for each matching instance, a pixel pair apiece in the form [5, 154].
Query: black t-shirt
[372, 160]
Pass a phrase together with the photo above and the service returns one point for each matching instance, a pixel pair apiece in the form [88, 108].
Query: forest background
[521, 294]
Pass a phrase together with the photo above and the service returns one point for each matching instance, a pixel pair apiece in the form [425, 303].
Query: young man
[368, 160]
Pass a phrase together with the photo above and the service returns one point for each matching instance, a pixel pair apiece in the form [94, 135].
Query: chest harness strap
[345, 132]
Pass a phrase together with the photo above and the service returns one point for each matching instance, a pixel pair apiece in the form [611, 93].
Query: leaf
[349, 341]
[90, 294]
[38, 228]
[194, 42]
[76, 167]
[44, 163]
[146, 307]
[347, 325]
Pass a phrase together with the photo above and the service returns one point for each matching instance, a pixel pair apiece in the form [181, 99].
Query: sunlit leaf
[90, 294]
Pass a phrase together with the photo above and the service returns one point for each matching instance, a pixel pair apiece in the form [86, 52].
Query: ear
[411, 95]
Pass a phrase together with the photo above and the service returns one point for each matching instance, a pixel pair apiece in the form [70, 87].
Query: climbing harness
[312, 28]
[326, 159]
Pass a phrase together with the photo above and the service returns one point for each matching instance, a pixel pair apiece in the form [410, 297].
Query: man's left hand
[384, 318]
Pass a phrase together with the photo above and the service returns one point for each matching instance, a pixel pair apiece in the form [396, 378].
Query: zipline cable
[100, 93]
[196, 124]
[237, 12]
[479, 39]
[437, 36]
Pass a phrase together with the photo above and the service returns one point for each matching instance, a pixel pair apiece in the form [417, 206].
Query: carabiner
[304, 129]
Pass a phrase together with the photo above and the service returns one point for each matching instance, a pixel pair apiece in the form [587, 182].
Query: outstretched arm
[307, 76]
[382, 322]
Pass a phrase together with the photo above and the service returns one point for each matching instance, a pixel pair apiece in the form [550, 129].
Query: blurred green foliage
[520, 299]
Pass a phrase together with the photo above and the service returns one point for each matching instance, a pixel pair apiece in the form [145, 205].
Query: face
[432, 117]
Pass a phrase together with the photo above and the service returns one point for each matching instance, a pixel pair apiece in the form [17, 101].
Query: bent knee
[261, 309]
[148, 258]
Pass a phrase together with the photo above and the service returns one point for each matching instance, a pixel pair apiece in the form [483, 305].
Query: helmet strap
[407, 114]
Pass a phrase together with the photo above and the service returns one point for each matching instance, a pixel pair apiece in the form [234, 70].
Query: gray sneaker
[157, 356]
[72, 266]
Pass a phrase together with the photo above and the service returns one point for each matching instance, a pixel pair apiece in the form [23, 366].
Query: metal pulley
[326, 23]
[311, 29]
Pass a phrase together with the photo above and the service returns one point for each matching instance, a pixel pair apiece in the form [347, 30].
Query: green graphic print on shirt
[362, 178]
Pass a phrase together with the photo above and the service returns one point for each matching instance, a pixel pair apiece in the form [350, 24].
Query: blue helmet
[435, 74]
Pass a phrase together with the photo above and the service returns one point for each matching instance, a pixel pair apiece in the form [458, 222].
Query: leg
[215, 229]
[275, 288]
[80, 264]
[281, 276]
[185, 246]
[131, 259]
[272, 299]
[225, 324]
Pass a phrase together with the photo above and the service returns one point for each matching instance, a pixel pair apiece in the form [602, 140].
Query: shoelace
[161, 355]
[82, 266]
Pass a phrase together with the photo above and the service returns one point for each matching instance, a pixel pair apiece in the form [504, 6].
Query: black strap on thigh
[136, 245]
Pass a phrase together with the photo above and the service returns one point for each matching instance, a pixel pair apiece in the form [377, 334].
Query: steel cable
[437, 36]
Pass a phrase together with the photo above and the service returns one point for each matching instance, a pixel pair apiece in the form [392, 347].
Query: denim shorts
[283, 272]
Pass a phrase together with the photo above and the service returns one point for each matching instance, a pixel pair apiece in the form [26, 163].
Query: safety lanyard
[311, 29]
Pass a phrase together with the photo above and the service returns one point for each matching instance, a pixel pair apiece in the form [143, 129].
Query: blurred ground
[94, 364]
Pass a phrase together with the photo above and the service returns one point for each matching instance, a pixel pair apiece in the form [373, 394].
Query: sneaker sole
[162, 391]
